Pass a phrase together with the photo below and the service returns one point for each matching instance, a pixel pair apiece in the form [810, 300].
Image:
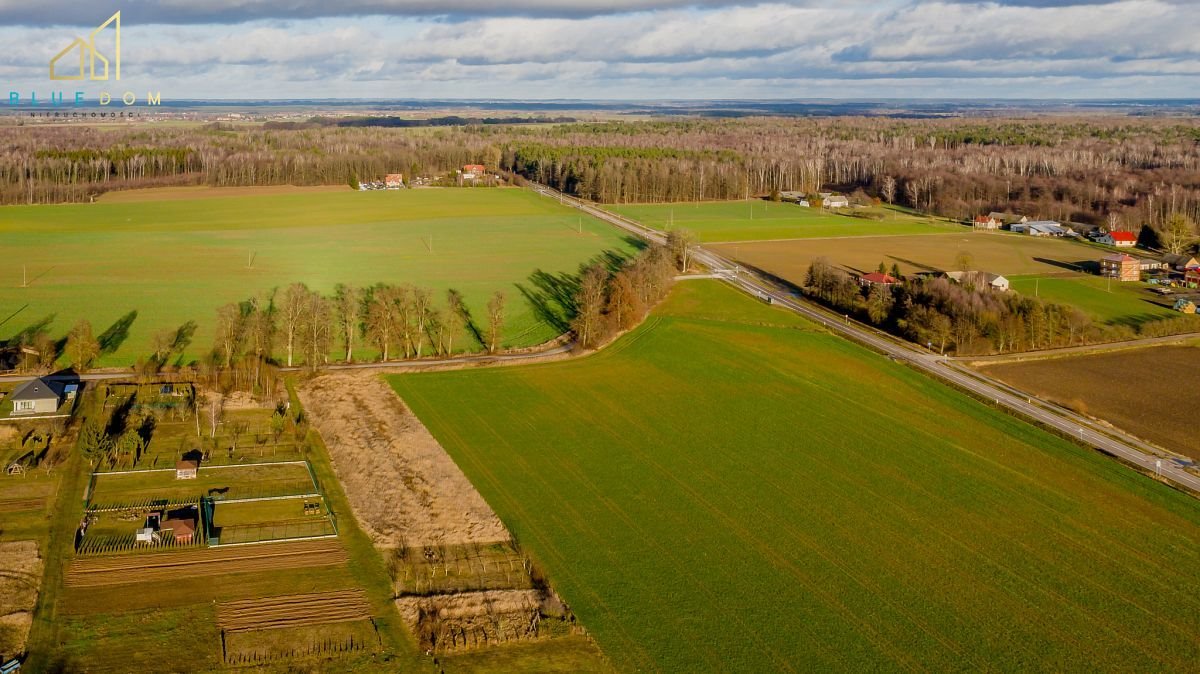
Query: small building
[1007, 218]
[877, 278]
[1120, 267]
[987, 222]
[187, 469]
[1118, 239]
[393, 181]
[835, 201]
[1191, 278]
[145, 535]
[980, 278]
[1150, 265]
[39, 396]
[182, 524]
[1185, 305]
[1180, 261]
[1045, 228]
[470, 171]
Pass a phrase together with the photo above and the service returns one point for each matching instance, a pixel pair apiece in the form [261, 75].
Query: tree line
[969, 318]
[1116, 171]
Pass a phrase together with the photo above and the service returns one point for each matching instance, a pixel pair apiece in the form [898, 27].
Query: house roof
[1120, 257]
[180, 526]
[1179, 260]
[1122, 236]
[187, 464]
[38, 389]
[879, 277]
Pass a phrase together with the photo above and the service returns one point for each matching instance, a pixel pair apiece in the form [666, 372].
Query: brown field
[96, 571]
[295, 610]
[1150, 392]
[404, 489]
[1007, 254]
[11, 505]
[20, 578]
[203, 192]
[350, 642]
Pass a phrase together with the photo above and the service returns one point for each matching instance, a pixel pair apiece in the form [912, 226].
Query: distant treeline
[1118, 171]
[970, 318]
[403, 122]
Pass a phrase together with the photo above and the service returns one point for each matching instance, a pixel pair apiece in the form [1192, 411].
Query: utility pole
[24, 277]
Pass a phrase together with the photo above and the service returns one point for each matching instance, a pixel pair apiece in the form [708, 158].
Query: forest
[1118, 171]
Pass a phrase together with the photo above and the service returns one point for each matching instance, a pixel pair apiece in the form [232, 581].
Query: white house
[836, 201]
[1118, 239]
[994, 281]
[39, 396]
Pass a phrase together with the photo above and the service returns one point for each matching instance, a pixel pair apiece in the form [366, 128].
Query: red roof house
[877, 278]
[1119, 239]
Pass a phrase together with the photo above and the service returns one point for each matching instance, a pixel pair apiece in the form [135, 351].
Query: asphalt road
[1151, 459]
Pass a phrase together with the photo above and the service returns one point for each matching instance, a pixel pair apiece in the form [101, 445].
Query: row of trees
[968, 318]
[610, 302]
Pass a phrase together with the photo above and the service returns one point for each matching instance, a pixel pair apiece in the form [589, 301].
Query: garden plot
[20, 579]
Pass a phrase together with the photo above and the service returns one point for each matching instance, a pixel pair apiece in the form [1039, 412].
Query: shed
[182, 524]
[187, 469]
[39, 396]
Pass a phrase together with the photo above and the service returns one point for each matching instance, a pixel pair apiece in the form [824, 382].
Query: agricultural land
[1054, 269]
[251, 559]
[135, 267]
[1142, 391]
[730, 487]
[758, 220]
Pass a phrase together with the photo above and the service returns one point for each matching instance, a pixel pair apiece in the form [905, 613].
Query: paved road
[1111, 441]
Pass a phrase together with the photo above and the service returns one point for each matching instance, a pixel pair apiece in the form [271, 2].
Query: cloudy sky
[621, 49]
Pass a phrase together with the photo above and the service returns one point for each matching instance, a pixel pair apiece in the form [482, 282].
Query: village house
[472, 171]
[1180, 261]
[1191, 277]
[987, 222]
[393, 181]
[39, 396]
[1147, 264]
[1118, 239]
[980, 278]
[836, 201]
[1007, 218]
[187, 469]
[1121, 267]
[877, 278]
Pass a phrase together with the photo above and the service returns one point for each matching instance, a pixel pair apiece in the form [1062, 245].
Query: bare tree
[230, 330]
[381, 318]
[681, 242]
[316, 329]
[292, 314]
[82, 347]
[422, 300]
[888, 190]
[348, 308]
[1178, 233]
[495, 310]
[589, 302]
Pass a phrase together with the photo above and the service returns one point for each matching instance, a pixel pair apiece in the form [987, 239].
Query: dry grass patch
[20, 578]
[404, 489]
[472, 619]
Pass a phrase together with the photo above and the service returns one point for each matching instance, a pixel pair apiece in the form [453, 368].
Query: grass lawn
[729, 488]
[144, 266]
[1108, 302]
[252, 481]
[761, 220]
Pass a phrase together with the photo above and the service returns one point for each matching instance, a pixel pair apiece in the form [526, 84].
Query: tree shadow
[10, 349]
[1089, 266]
[111, 339]
[913, 263]
[552, 297]
[464, 314]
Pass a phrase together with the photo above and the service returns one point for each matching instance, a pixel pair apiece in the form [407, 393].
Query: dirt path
[404, 489]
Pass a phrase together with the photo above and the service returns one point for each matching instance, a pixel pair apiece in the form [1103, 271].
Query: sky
[617, 49]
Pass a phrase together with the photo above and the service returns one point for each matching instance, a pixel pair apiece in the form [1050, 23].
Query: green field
[144, 267]
[1108, 302]
[757, 220]
[729, 488]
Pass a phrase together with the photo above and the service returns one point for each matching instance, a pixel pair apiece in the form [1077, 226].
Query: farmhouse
[836, 201]
[877, 278]
[187, 469]
[1121, 267]
[40, 396]
[473, 170]
[987, 222]
[393, 181]
[980, 278]
[1118, 239]
[1007, 218]
[1179, 261]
